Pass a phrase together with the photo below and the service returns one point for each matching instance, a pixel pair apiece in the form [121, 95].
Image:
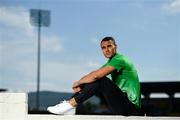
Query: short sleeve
[116, 62]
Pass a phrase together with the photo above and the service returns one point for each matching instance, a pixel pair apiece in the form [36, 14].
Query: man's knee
[105, 81]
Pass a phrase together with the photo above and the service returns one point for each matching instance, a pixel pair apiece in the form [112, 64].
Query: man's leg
[87, 91]
[115, 98]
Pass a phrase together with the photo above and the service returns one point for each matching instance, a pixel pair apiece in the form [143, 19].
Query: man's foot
[64, 108]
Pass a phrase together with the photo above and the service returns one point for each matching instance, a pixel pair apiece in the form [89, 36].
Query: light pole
[39, 18]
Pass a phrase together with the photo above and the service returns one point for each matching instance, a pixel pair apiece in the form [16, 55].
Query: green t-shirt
[125, 77]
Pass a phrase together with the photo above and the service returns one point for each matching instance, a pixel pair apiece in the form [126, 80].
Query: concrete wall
[13, 106]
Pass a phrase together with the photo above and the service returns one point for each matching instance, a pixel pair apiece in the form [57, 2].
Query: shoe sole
[69, 112]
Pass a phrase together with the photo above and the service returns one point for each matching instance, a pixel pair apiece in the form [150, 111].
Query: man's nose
[107, 49]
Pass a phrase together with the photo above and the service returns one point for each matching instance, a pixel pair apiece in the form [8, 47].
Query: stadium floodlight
[39, 18]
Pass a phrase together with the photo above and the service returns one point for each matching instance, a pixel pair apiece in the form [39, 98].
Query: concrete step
[96, 117]
[13, 106]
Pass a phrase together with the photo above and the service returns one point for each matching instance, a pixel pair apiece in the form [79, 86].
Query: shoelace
[64, 101]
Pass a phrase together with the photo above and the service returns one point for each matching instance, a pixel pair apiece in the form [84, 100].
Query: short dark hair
[108, 39]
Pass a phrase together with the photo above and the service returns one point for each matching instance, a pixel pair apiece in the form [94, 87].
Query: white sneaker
[64, 108]
[71, 112]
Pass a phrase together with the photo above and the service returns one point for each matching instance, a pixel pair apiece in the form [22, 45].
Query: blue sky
[147, 31]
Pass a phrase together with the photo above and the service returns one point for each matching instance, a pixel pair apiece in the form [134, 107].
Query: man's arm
[95, 75]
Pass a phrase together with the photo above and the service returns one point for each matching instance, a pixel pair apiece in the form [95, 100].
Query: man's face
[108, 48]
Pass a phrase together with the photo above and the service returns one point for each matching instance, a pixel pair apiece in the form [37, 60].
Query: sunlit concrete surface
[96, 117]
[13, 106]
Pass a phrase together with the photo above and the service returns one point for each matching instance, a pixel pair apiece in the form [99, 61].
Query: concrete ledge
[13, 106]
[96, 117]
[13, 97]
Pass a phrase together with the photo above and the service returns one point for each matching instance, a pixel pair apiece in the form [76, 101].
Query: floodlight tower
[39, 18]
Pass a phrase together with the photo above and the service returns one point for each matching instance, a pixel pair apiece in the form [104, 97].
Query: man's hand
[76, 87]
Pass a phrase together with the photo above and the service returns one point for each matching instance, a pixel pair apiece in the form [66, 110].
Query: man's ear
[115, 46]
